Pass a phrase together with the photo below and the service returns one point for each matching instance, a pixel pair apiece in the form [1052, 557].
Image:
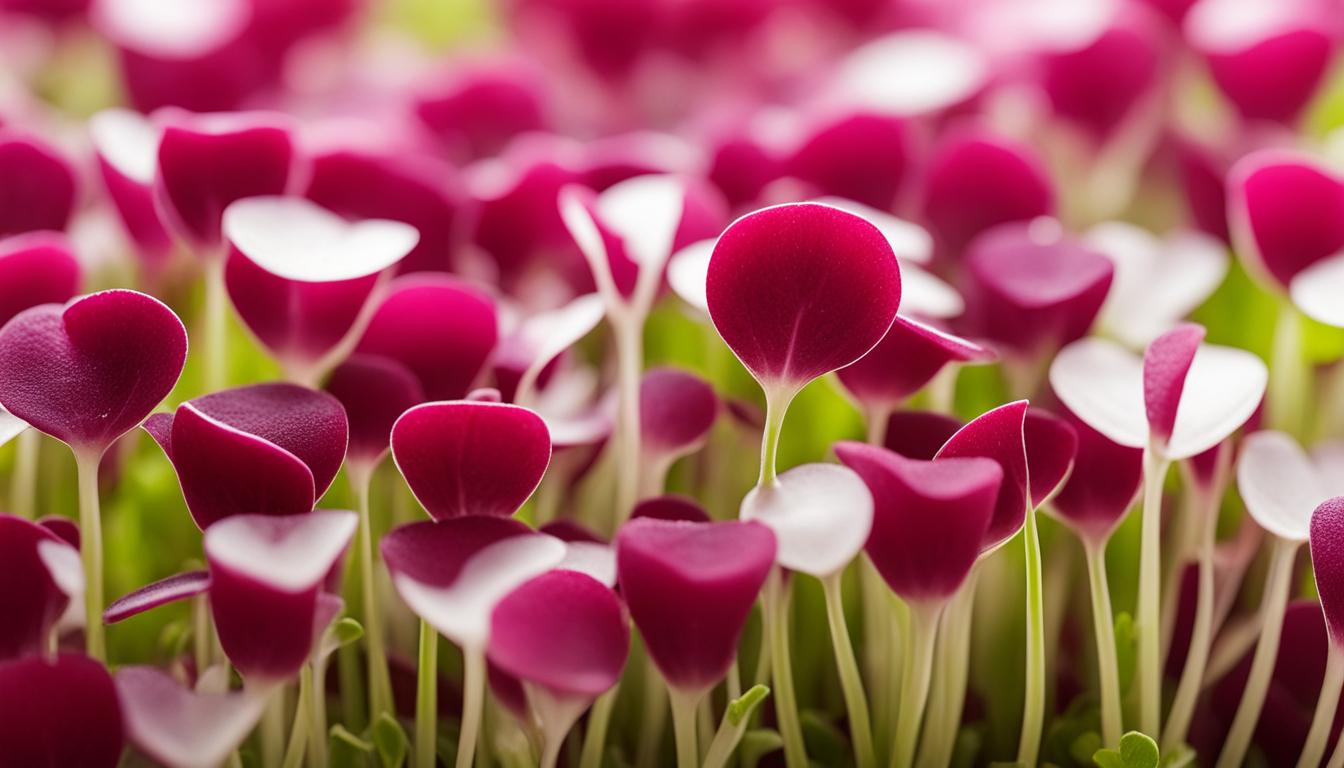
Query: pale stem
[1183, 547]
[473, 700]
[915, 681]
[595, 738]
[777, 401]
[380, 682]
[273, 729]
[1272, 605]
[851, 683]
[215, 324]
[877, 418]
[1103, 624]
[200, 631]
[317, 712]
[1033, 706]
[1288, 377]
[733, 682]
[91, 551]
[298, 734]
[628, 332]
[943, 389]
[1201, 634]
[1326, 704]
[23, 486]
[653, 715]
[1337, 757]
[946, 700]
[1057, 580]
[877, 651]
[704, 724]
[426, 698]
[786, 706]
[684, 704]
[1150, 563]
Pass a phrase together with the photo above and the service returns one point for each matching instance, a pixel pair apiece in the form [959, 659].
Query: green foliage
[742, 707]
[390, 741]
[1136, 751]
[756, 744]
[348, 750]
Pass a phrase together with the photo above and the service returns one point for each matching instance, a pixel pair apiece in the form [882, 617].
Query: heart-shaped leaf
[68, 715]
[1286, 212]
[36, 268]
[799, 290]
[1279, 484]
[37, 184]
[32, 601]
[678, 574]
[976, 180]
[374, 391]
[90, 371]
[904, 361]
[998, 434]
[562, 630]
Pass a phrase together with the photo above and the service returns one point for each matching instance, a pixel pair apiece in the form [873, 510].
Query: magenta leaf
[265, 575]
[37, 185]
[440, 328]
[562, 630]
[36, 268]
[1270, 62]
[800, 290]
[1033, 293]
[31, 599]
[176, 587]
[905, 360]
[929, 517]
[680, 576]
[1105, 481]
[375, 391]
[475, 109]
[1327, 561]
[300, 276]
[1126, 55]
[90, 371]
[1165, 365]
[127, 146]
[207, 162]
[1052, 445]
[864, 157]
[469, 458]
[676, 411]
[998, 434]
[264, 449]
[68, 715]
[671, 507]
[453, 572]
[919, 434]
[977, 181]
[416, 190]
[181, 728]
[1286, 212]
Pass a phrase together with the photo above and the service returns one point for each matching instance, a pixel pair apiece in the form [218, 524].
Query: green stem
[1326, 704]
[1150, 563]
[1289, 377]
[23, 485]
[91, 551]
[1201, 634]
[426, 698]
[860, 730]
[298, 735]
[1103, 623]
[380, 681]
[1277, 586]
[776, 405]
[473, 702]
[786, 705]
[215, 324]
[273, 729]
[200, 634]
[595, 738]
[684, 704]
[877, 655]
[317, 714]
[1033, 707]
[949, 694]
[915, 681]
[653, 714]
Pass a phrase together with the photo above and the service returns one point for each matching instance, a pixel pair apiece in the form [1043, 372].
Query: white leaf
[821, 515]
